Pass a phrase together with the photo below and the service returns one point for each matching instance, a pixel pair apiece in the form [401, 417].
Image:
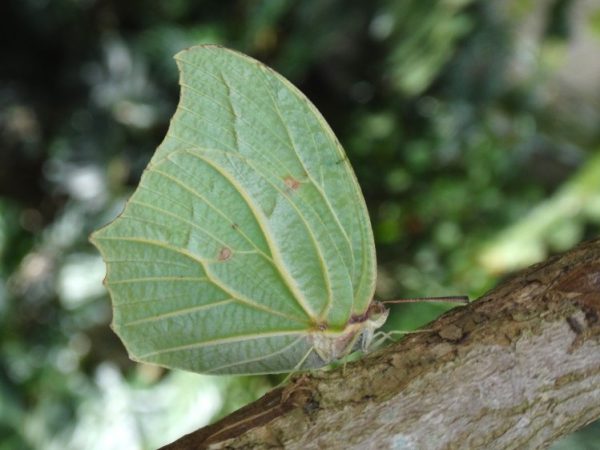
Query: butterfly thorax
[357, 334]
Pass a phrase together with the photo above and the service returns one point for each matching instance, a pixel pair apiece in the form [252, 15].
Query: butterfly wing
[247, 232]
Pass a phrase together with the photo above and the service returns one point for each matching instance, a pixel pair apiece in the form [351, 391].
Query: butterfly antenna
[464, 299]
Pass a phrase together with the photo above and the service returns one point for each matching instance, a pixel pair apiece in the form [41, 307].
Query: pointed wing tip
[92, 238]
[133, 357]
[95, 238]
[97, 234]
[116, 328]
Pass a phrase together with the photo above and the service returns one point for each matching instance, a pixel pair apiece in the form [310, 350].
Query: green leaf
[247, 246]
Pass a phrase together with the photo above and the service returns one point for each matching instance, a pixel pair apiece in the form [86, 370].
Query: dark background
[471, 125]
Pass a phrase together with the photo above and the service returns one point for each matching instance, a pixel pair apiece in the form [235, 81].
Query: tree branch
[518, 368]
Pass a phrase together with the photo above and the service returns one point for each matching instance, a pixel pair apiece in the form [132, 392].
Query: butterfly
[247, 246]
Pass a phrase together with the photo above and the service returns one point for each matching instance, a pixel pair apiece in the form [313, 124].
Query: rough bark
[516, 369]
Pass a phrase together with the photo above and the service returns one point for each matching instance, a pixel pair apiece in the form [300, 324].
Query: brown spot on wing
[291, 182]
[224, 254]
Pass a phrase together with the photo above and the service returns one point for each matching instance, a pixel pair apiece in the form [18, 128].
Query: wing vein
[210, 205]
[258, 358]
[287, 143]
[225, 340]
[238, 297]
[146, 279]
[260, 220]
[177, 312]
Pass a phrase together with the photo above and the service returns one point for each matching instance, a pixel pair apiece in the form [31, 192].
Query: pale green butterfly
[247, 246]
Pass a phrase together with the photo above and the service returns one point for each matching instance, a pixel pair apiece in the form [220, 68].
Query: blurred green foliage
[472, 126]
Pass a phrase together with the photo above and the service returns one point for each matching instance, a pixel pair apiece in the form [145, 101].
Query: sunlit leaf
[555, 224]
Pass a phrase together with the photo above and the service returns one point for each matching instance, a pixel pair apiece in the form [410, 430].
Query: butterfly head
[357, 335]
